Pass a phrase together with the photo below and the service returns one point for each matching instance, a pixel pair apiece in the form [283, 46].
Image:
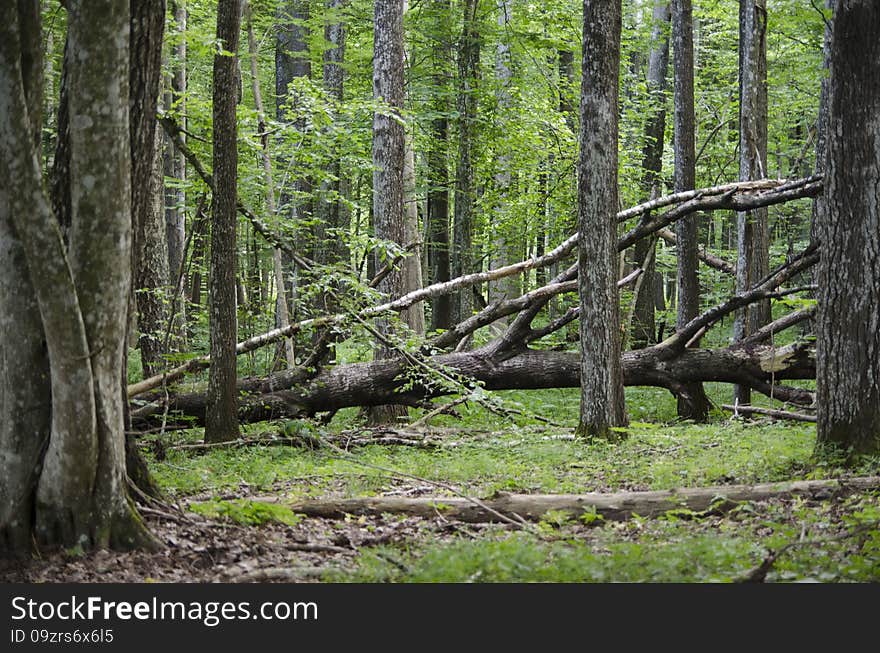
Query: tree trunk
[333, 215]
[222, 422]
[175, 168]
[438, 174]
[388, 161]
[24, 374]
[502, 240]
[282, 313]
[463, 218]
[753, 239]
[692, 404]
[848, 325]
[78, 488]
[291, 62]
[602, 402]
[149, 246]
[644, 328]
[411, 266]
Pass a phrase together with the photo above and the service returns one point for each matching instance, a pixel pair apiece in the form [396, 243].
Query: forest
[440, 291]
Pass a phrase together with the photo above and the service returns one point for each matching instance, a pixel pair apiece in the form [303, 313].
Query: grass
[482, 453]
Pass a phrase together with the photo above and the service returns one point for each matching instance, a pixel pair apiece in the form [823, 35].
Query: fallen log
[286, 395]
[739, 196]
[617, 506]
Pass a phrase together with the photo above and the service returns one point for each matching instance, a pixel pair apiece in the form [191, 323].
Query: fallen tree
[288, 395]
[511, 362]
[617, 506]
[741, 196]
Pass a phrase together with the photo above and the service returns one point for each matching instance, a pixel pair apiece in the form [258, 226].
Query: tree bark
[149, 246]
[603, 410]
[848, 325]
[753, 238]
[693, 404]
[24, 374]
[388, 161]
[333, 215]
[222, 422]
[79, 490]
[292, 61]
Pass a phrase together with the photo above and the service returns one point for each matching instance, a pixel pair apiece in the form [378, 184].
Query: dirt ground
[201, 550]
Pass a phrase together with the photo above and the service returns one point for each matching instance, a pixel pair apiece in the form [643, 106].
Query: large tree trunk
[24, 374]
[79, 483]
[292, 61]
[602, 402]
[693, 404]
[222, 422]
[466, 104]
[643, 325]
[753, 239]
[848, 325]
[388, 161]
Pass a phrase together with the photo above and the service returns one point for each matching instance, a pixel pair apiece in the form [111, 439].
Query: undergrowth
[481, 453]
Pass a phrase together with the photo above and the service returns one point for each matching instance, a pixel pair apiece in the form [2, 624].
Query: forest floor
[216, 524]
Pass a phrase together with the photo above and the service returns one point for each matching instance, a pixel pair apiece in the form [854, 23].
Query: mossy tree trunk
[67, 473]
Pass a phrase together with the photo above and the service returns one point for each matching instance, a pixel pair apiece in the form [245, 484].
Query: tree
[466, 105]
[149, 239]
[222, 422]
[438, 168]
[692, 402]
[174, 165]
[848, 325]
[388, 158]
[753, 239]
[64, 476]
[501, 247]
[643, 329]
[282, 314]
[332, 213]
[412, 264]
[602, 400]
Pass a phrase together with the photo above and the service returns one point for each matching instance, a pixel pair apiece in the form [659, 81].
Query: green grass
[481, 453]
[490, 453]
[659, 550]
